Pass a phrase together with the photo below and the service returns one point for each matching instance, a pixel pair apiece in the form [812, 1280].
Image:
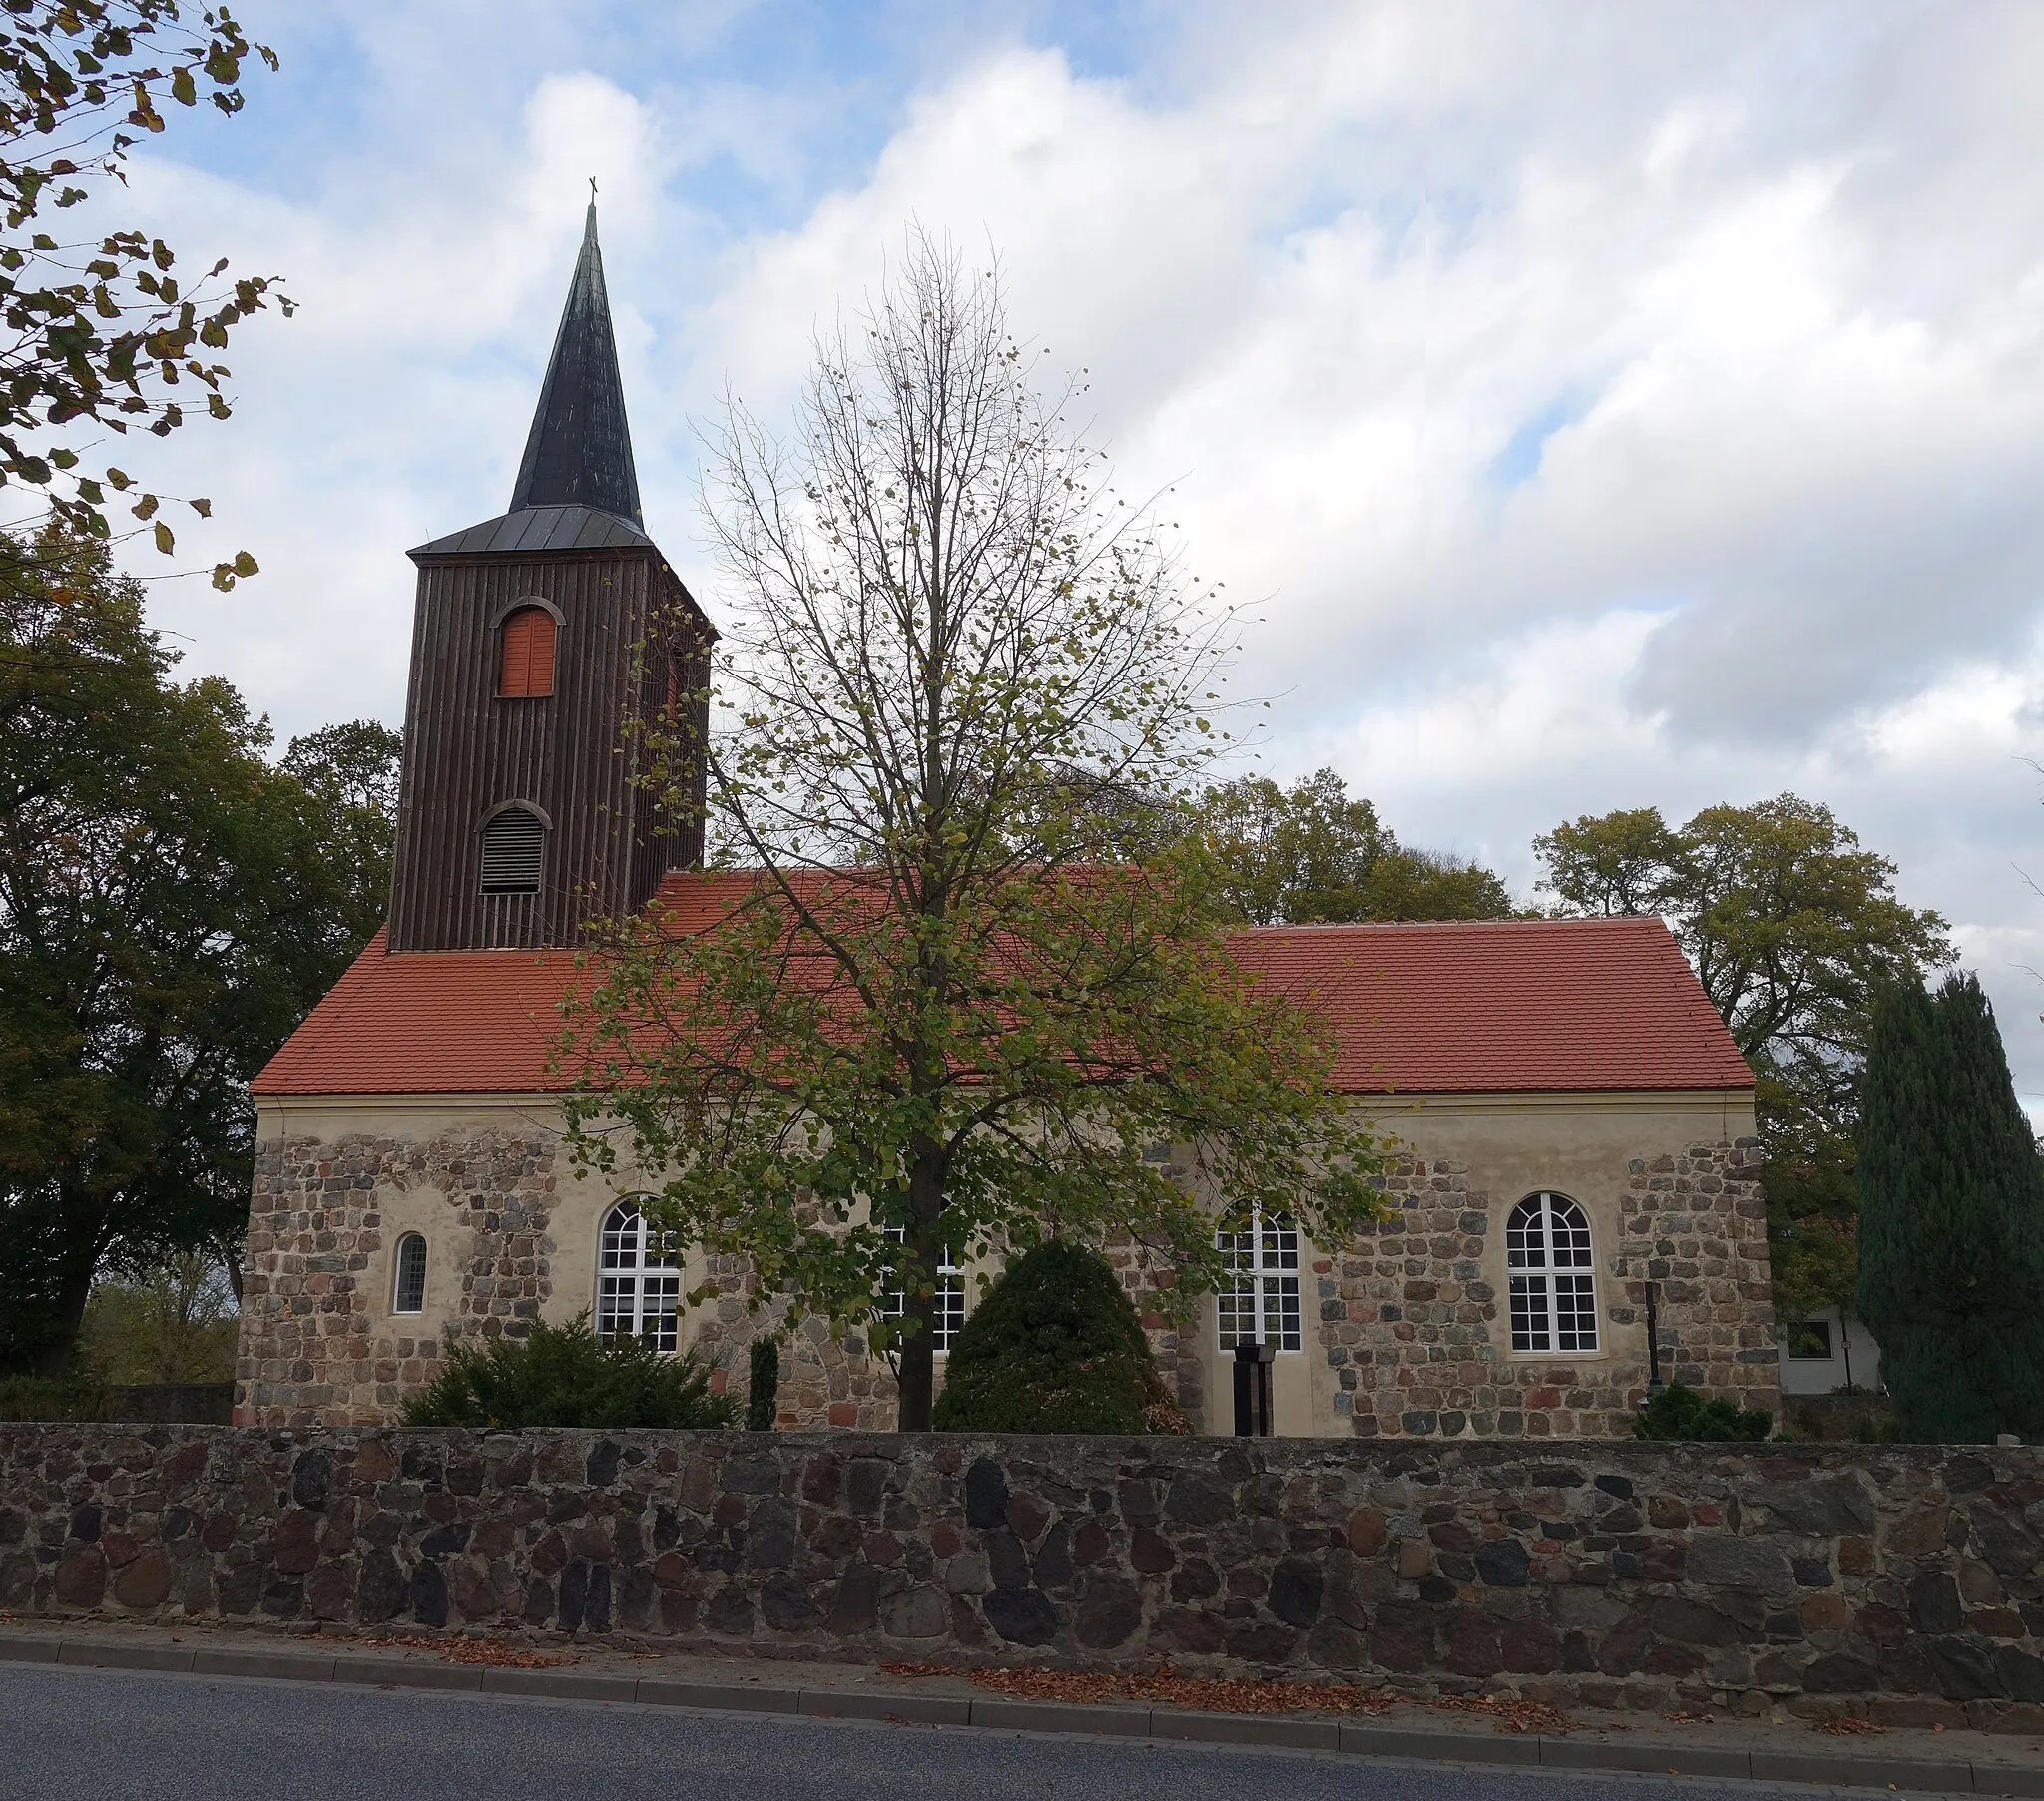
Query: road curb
[1840, 1769]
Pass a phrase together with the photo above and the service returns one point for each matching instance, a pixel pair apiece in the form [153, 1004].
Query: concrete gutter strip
[1832, 1768]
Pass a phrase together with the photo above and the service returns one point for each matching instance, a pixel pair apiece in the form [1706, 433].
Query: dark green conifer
[1951, 1231]
[1055, 1347]
[762, 1385]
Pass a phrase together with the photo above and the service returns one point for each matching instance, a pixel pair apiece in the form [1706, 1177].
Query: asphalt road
[107, 1735]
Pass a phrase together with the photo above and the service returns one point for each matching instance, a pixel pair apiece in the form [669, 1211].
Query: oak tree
[1793, 928]
[1312, 855]
[172, 904]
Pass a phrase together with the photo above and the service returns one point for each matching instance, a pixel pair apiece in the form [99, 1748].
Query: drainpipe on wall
[1652, 1339]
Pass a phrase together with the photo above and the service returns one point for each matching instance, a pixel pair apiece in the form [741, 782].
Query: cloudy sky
[1606, 405]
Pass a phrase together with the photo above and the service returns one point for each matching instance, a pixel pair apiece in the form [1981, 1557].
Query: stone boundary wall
[1901, 1581]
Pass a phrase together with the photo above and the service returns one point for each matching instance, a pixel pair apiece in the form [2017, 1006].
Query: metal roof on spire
[577, 488]
[579, 452]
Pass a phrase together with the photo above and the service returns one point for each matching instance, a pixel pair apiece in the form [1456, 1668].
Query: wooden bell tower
[541, 640]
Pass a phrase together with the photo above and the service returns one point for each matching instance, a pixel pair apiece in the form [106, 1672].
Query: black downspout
[1652, 1339]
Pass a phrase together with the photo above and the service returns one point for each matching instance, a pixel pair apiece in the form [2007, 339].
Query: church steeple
[579, 451]
[547, 643]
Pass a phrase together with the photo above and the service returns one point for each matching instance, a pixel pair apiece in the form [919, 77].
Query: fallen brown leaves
[1844, 1726]
[492, 1652]
[1207, 1694]
[1513, 1712]
[1213, 1694]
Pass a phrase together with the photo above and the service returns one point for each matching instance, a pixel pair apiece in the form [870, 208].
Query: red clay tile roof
[1577, 1005]
[1567, 1005]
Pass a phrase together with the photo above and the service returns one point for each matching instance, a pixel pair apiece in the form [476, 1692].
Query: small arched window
[408, 1287]
[525, 668]
[514, 846]
[1549, 1273]
[638, 1284]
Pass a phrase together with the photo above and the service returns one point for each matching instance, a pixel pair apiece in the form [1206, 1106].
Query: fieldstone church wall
[1407, 1328]
[1904, 1582]
[318, 1343]
[1415, 1324]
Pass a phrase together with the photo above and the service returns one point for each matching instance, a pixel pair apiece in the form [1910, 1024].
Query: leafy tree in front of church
[101, 335]
[960, 1005]
[172, 904]
[1313, 855]
[1793, 928]
[1951, 1226]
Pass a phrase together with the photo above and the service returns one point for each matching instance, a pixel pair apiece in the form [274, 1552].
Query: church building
[1575, 1126]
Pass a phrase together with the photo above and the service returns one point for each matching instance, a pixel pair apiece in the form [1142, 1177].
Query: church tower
[541, 640]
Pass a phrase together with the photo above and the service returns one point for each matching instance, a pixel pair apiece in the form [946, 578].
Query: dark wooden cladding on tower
[572, 756]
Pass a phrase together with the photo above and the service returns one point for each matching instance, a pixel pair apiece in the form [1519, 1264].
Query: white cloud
[1608, 406]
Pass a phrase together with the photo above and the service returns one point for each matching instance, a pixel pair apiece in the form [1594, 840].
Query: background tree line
[172, 903]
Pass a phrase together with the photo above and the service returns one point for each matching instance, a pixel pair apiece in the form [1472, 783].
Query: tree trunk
[918, 1381]
[58, 1357]
[918, 1368]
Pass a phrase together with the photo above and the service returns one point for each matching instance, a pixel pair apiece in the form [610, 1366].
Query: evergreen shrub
[1055, 1347]
[567, 1376]
[1679, 1412]
[1951, 1222]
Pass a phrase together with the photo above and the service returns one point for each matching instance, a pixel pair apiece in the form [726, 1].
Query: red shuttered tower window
[527, 668]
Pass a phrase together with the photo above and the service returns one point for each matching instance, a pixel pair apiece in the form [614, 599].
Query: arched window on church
[1550, 1276]
[514, 846]
[638, 1285]
[408, 1288]
[525, 668]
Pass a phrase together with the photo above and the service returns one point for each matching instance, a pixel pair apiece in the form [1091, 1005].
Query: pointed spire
[579, 453]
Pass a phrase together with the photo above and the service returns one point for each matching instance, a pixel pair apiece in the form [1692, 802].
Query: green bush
[567, 1376]
[1679, 1412]
[1055, 1347]
[31, 1398]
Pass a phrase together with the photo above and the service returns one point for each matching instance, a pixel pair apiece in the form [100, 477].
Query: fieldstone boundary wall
[1902, 1583]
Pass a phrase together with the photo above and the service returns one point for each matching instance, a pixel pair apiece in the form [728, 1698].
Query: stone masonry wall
[1410, 1324]
[1903, 1583]
[1420, 1336]
[317, 1344]
[824, 1381]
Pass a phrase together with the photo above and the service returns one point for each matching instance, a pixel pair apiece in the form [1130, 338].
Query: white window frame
[637, 1287]
[1551, 1278]
[397, 1275]
[1261, 1256]
[950, 1296]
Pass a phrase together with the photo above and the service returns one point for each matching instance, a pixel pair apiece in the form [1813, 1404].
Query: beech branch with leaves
[103, 331]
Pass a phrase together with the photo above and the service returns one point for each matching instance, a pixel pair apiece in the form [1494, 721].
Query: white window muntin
[1259, 1300]
[950, 1296]
[1551, 1283]
[638, 1286]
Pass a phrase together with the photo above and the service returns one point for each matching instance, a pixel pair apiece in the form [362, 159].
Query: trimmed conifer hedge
[1055, 1347]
